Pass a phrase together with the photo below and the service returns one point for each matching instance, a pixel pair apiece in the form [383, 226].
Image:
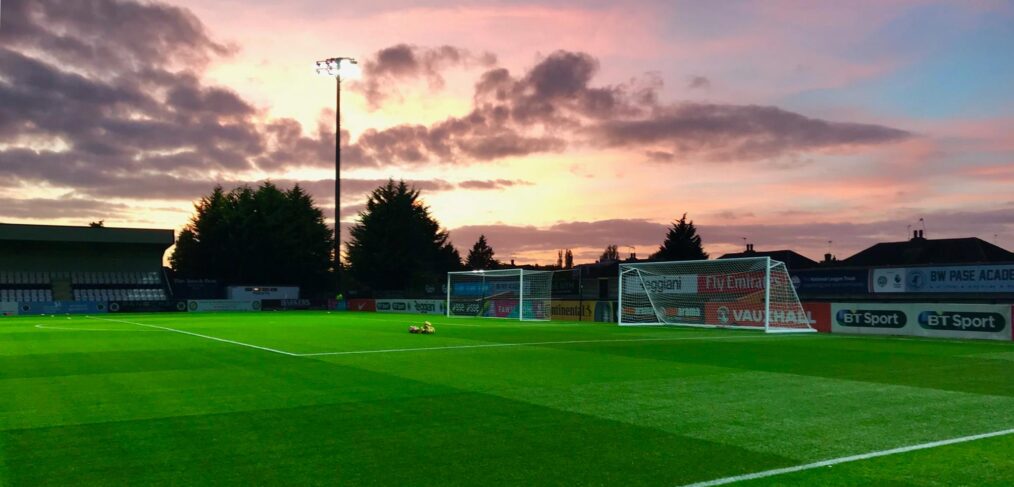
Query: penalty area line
[208, 337]
[852, 458]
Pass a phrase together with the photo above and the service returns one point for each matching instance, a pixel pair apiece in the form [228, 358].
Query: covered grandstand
[46, 263]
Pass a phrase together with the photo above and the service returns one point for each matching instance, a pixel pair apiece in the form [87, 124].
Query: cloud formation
[393, 65]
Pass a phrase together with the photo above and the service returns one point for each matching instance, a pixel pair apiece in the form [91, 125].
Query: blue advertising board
[831, 281]
[61, 307]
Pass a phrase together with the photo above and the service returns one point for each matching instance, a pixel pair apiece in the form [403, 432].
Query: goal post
[518, 294]
[745, 293]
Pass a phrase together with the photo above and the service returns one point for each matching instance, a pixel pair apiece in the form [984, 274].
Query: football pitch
[311, 398]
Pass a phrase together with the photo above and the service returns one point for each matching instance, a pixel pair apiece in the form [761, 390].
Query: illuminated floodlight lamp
[338, 67]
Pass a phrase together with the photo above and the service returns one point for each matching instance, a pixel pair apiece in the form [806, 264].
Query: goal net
[518, 294]
[750, 293]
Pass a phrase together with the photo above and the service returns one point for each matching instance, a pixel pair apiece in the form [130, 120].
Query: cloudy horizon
[542, 125]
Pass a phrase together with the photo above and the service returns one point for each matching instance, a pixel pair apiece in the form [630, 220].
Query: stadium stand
[40, 263]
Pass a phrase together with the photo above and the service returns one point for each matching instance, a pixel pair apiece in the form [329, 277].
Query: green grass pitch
[343, 399]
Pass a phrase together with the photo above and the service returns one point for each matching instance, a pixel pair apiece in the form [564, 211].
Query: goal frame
[521, 272]
[770, 263]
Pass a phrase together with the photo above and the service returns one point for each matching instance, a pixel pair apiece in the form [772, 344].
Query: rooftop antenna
[829, 242]
[923, 223]
[908, 231]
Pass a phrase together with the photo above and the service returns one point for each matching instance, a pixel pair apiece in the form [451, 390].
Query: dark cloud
[492, 184]
[65, 207]
[393, 65]
[108, 35]
[738, 133]
[698, 83]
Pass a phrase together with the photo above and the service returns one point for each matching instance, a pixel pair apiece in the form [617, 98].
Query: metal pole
[337, 183]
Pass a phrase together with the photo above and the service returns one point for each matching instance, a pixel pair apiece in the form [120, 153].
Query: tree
[481, 256]
[612, 253]
[261, 236]
[681, 243]
[397, 245]
[98, 224]
[568, 260]
[559, 259]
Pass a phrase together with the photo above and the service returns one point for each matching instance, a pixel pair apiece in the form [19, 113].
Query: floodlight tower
[338, 68]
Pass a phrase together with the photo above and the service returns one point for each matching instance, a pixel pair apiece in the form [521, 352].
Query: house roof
[791, 258]
[920, 250]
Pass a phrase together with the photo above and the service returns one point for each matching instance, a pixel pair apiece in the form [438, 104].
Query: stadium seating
[28, 286]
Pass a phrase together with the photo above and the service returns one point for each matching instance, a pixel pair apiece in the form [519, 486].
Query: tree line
[270, 236]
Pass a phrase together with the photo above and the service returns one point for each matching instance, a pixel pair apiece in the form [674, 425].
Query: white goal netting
[518, 294]
[750, 293]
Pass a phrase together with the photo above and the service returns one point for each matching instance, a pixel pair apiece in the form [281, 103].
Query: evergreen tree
[397, 245]
[568, 260]
[681, 243]
[481, 256]
[612, 253]
[265, 236]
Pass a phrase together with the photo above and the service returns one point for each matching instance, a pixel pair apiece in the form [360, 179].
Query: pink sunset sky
[543, 125]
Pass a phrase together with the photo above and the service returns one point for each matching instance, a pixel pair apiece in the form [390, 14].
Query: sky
[813, 126]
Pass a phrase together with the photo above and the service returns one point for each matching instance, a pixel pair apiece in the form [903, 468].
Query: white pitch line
[209, 337]
[524, 344]
[853, 458]
[44, 327]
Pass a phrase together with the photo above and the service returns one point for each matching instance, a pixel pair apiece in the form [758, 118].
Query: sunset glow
[541, 125]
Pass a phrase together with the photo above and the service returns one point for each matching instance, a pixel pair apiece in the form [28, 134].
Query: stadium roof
[921, 250]
[56, 233]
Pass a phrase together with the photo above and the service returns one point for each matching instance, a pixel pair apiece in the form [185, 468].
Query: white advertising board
[982, 321]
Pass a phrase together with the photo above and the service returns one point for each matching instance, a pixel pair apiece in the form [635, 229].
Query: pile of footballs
[425, 329]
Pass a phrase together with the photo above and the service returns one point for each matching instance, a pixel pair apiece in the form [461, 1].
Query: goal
[519, 294]
[749, 293]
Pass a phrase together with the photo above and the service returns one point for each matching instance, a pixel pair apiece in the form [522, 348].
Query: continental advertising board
[576, 310]
[981, 321]
[945, 279]
[416, 306]
[61, 307]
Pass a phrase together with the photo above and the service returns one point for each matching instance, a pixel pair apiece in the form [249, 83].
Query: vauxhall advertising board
[982, 321]
[949, 279]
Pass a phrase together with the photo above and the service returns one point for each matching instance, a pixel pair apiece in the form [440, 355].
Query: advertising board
[981, 321]
[8, 308]
[147, 306]
[362, 305]
[249, 293]
[997, 278]
[61, 307]
[831, 281]
[415, 306]
[210, 305]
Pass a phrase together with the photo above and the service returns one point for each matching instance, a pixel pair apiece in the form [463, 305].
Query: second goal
[748, 293]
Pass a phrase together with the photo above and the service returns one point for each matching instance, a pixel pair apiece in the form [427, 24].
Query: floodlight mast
[337, 67]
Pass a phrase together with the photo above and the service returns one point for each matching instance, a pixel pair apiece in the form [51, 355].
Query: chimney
[512, 262]
[749, 248]
[828, 258]
[633, 256]
[915, 234]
